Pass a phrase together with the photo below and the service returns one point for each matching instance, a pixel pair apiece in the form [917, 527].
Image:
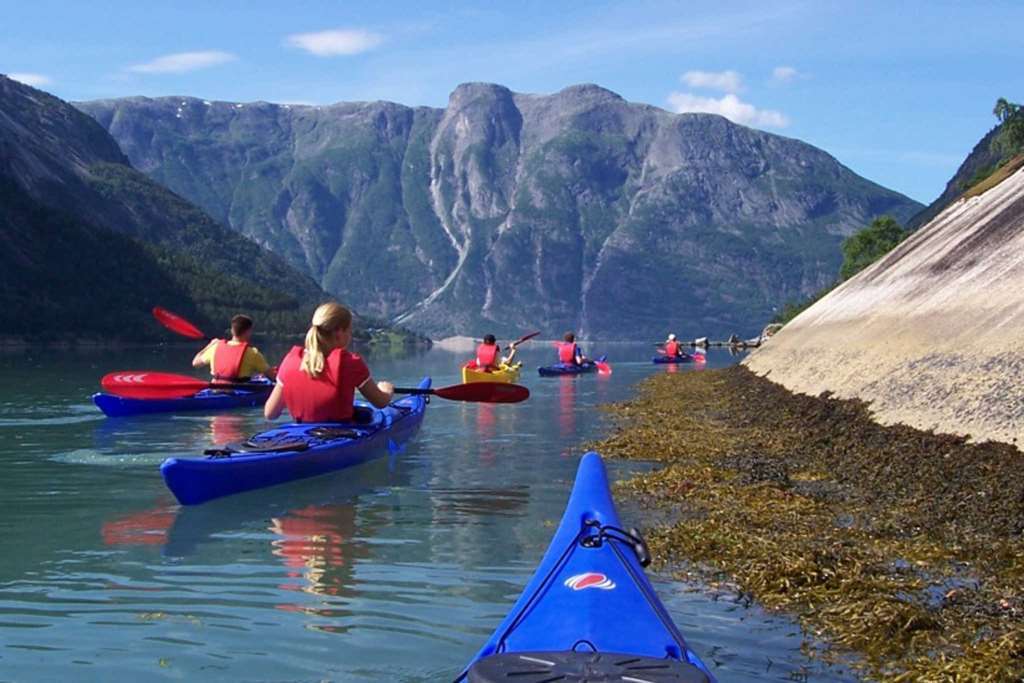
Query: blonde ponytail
[327, 320]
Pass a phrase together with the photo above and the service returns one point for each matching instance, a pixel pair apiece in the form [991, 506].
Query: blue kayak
[569, 368]
[207, 400]
[589, 612]
[294, 451]
[685, 358]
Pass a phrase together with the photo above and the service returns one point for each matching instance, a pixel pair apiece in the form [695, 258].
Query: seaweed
[900, 546]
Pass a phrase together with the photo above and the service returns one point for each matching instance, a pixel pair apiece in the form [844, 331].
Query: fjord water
[394, 570]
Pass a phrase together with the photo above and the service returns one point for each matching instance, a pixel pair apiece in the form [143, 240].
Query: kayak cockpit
[301, 437]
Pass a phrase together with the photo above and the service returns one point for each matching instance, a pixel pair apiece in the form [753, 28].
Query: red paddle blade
[175, 323]
[484, 392]
[603, 368]
[144, 384]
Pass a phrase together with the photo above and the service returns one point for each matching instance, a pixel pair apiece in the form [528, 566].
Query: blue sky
[898, 91]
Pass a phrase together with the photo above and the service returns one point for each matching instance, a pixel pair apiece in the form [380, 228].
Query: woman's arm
[274, 406]
[377, 393]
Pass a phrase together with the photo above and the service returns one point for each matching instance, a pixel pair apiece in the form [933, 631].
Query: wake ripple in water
[91, 456]
[48, 421]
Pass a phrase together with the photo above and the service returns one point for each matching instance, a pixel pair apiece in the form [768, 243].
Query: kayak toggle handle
[605, 531]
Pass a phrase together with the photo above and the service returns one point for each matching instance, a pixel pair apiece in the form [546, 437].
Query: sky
[900, 92]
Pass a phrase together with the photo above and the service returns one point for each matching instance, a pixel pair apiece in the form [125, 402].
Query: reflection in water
[457, 506]
[567, 406]
[149, 527]
[311, 541]
[226, 429]
[603, 386]
[486, 429]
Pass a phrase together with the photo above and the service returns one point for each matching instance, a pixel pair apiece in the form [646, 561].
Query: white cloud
[183, 62]
[725, 81]
[335, 42]
[729, 106]
[784, 74]
[35, 80]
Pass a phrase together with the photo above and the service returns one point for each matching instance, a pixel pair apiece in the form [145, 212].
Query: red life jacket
[487, 356]
[227, 361]
[567, 353]
[672, 348]
[327, 397]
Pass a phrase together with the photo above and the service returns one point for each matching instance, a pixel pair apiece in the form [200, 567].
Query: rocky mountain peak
[575, 210]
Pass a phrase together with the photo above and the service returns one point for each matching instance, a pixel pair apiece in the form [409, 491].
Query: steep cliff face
[930, 334]
[502, 211]
[92, 244]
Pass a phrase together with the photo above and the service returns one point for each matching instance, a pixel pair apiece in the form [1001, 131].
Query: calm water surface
[395, 570]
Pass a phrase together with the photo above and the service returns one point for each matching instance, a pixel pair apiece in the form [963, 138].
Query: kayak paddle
[525, 337]
[602, 367]
[476, 392]
[144, 384]
[162, 385]
[175, 323]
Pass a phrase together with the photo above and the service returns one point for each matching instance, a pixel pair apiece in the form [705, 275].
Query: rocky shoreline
[902, 547]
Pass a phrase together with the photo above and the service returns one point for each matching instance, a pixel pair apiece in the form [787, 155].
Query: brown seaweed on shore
[903, 546]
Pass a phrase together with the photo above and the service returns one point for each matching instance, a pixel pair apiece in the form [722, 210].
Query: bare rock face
[506, 211]
[931, 333]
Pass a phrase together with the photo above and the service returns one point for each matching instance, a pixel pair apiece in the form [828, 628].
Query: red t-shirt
[327, 397]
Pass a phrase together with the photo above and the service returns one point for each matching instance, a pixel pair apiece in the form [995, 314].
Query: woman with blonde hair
[317, 381]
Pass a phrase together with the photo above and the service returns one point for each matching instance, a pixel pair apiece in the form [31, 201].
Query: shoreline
[900, 548]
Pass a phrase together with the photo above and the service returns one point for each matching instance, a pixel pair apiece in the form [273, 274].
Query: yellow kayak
[505, 373]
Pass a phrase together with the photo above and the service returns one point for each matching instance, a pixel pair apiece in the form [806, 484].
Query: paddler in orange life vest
[235, 359]
[672, 347]
[488, 354]
[317, 381]
[568, 352]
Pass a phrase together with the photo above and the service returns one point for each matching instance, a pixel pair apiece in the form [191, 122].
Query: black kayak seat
[582, 667]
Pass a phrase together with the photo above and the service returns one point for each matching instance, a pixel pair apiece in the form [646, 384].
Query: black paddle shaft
[240, 385]
[414, 391]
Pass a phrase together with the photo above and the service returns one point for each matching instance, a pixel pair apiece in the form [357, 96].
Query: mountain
[91, 244]
[980, 161]
[45, 292]
[506, 211]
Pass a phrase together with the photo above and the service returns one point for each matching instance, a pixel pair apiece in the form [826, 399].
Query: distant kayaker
[488, 354]
[317, 382]
[672, 347]
[235, 359]
[568, 352]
